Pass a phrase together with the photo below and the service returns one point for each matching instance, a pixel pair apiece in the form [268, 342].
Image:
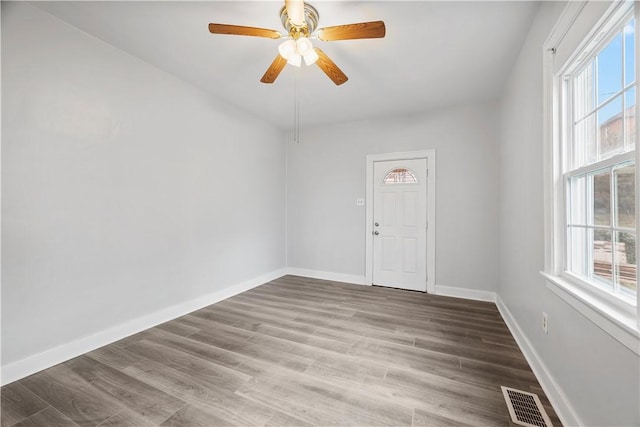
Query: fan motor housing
[311, 18]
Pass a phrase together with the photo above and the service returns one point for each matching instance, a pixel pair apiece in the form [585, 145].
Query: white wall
[597, 375]
[124, 190]
[326, 173]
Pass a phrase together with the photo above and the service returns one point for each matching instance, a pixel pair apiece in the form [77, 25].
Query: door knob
[376, 232]
[376, 224]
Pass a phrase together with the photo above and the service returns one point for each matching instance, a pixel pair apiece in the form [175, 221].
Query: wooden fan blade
[330, 68]
[239, 30]
[274, 69]
[295, 11]
[362, 30]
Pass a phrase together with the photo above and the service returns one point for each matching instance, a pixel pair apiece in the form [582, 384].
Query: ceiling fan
[300, 20]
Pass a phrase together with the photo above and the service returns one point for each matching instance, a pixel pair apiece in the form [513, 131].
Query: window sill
[620, 326]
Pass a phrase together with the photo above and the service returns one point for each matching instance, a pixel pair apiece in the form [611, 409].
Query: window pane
[576, 257]
[577, 193]
[599, 193]
[630, 118]
[602, 198]
[400, 176]
[584, 142]
[629, 53]
[626, 196]
[626, 263]
[610, 128]
[610, 69]
[584, 92]
[602, 256]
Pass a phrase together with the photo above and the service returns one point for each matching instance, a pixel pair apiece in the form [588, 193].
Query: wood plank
[48, 417]
[127, 418]
[114, 356]
[351, 371]
[414, 383]
[199, 349]
[277, 337]
[447, 398]
[403, 356]
[146, 401]
[280, 419]
[429, 419]
[505, 341]
[323, 403]
[273, 356]
[354, 330]
[296, 305]
[475, 350]
[125, 342]
[206, 324]
[72, 396]
[194, 416]
[194, 389]
[496, 373]
[256, 317]
[178, 328]
[181, 361]
[18, 403]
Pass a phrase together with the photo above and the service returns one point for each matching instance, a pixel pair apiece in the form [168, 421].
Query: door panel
[388, 208]
[410, 208]
[410, 255]
[388, 255]
[400, 224]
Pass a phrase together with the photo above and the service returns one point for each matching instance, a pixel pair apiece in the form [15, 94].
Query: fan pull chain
[296, 110]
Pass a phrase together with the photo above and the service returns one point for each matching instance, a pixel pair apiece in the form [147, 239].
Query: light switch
[359, 202]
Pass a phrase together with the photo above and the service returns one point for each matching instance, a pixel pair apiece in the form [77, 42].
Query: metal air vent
[525, 408]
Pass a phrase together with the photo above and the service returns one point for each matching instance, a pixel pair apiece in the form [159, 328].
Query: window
[400, 176]
[599, 164]
[590, 155]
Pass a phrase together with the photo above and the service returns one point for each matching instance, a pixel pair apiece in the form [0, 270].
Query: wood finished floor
[292, 352]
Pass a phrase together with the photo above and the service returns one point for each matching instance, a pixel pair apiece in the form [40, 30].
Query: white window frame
[621, 320]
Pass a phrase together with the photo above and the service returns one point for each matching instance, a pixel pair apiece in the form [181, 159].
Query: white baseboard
[556, 396]
[326, 275]
[475, 294]
[37, 362]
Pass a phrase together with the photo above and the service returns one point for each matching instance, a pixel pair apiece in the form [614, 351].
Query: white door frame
[430, 155]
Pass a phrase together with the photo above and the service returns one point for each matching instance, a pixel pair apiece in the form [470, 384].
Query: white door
[400, 224]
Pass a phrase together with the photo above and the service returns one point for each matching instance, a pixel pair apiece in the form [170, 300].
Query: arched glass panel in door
[400, 176]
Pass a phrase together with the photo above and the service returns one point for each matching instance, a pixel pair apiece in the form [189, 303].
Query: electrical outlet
[359, 202]
[545, 322]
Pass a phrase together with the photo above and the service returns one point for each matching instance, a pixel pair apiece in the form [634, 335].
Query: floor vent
[525, 408]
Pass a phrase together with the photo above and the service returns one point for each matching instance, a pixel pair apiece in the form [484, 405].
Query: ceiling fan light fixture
[288, 49]
[310, 57]
[295, 60]
[294, 50]
[304, 46]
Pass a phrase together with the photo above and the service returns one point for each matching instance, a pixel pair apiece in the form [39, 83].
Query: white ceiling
[435, 54]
